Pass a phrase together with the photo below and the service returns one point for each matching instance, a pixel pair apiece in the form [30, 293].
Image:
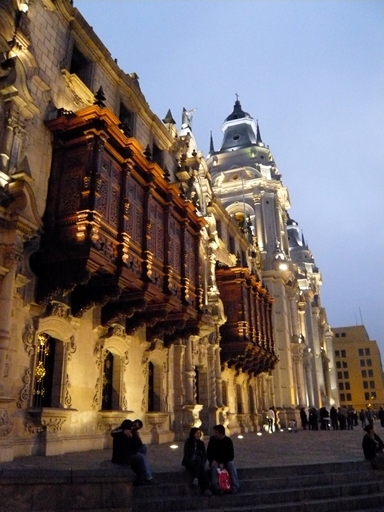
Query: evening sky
[312, 73]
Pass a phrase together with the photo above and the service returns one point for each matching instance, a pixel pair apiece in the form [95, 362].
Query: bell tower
[246, 179]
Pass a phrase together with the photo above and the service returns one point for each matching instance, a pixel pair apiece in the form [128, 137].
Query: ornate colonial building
[247, 181]
[138, 279]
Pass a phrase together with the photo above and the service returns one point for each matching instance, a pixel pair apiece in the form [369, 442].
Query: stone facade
[127, 288]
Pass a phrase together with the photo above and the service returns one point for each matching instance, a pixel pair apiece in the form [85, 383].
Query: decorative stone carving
[53, 424]
[96, 396]
[82, 96]
[28, 339]
[32, 428]
[108, 420]
[98, 353]
[144, 400]
[124, 401]
[117, 330]
[71, 348]
[24, 393]
[67, 396]
[144, 365]
[46, 419]
[125, 361]
[59, 309]
[5, 423]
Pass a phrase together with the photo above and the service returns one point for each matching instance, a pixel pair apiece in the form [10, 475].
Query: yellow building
[358, 368]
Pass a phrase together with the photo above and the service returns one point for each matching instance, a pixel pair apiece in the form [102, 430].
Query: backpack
[224, 480]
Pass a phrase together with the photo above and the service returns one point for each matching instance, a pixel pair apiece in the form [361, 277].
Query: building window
[347, 385]
[367, 351]
[154, 388]
[343, 353]
[219, 228]
[232, 248]
[239, 396]
[81, 66]
[251, 400]
[343, 334]
[364, 374]
[338, 364]
[224, 392]
[362, 362]
[367, 396]
[370, 373]
[339, 375]
[365, 384]
[341, 386]
[369, 362]
[346, 375]
[48, 372]
[337, 335]
[373, 395]
[197, 385]
[157, 155]
[111, 382]
[342, 397]
[127, 119]
[345, 364]
[372, 384]
[349, 397]
[361, 352]
[337, 352]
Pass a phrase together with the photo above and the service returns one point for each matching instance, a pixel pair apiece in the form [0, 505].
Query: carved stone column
[189, 373]
[313, 401]
[178, 349]
[299, 371]
[218, 379]
[7, 286]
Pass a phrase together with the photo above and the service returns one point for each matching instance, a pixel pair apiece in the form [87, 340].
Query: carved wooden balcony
[116, 232]
[246, 337]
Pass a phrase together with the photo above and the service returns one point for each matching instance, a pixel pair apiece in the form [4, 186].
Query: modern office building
[359, 369]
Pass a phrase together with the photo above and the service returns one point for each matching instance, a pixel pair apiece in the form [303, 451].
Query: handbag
[224, 480]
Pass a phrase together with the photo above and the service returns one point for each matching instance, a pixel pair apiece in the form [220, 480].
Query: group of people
[203, 464]
[342, 418]
[219, 454]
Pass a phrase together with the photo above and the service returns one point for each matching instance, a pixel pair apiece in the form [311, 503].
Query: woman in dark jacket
[372, 447]
[195, 458]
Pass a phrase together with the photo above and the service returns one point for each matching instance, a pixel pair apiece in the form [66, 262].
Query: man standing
[126, 451]
[220, 454]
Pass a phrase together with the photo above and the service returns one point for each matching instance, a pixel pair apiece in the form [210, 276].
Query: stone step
[179, 484]
[346, 504]
[286, 492]
[305, 474]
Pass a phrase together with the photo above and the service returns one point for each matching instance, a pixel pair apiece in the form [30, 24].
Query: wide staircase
[332, 487]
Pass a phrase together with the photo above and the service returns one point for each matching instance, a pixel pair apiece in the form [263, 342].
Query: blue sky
[312, 73]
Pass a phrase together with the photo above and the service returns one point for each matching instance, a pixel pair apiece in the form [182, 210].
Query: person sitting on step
[373, 447]
[126, 451]
[194, 460]
[220, 455]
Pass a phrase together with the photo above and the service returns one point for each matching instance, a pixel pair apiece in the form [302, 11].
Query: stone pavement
[286, 448]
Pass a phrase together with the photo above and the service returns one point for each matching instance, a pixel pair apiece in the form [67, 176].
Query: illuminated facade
[249, 184]
[127, 288]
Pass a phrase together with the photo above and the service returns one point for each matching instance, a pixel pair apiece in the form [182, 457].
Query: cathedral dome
[291, 222]
[238, 112]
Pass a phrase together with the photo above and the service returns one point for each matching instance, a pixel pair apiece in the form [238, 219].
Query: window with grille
[47, 388]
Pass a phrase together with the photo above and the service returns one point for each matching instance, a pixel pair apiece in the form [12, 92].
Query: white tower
[247, 181]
